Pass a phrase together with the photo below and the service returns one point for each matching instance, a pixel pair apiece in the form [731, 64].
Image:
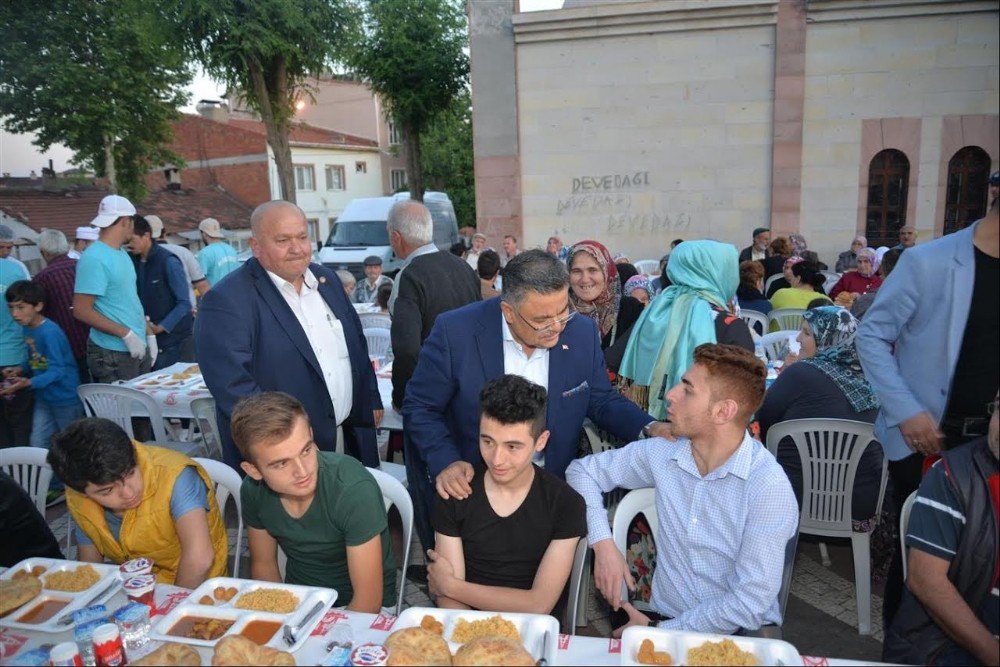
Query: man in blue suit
[531, 331]
[281, 323]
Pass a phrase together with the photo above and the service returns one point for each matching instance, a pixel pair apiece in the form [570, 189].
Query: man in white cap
[105, 298]
[192, 269]
[84, 237]
[218, 258]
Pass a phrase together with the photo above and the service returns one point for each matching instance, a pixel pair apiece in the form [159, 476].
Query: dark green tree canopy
[103, 77]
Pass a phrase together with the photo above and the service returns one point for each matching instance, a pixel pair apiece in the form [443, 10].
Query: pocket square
[582, 387]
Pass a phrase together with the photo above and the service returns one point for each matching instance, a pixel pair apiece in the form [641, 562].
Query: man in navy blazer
[249, 338]
[529, 331]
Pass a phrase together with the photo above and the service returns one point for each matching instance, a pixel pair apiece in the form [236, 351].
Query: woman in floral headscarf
[640, 288]
[865, 279]
[595, 291]
[800, 249]
[826, 382]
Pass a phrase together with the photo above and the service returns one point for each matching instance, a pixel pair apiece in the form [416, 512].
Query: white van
[360, 232]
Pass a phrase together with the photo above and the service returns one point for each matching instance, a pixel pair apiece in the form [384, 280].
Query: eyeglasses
[550, 328]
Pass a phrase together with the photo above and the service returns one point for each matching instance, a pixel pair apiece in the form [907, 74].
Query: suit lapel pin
[565, 347]
[322, 279]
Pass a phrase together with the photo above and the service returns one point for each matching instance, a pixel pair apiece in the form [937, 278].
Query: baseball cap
[86, 233]
[373, 260]
[211, 227]
[155, 225]
[995, 178]
[112, 207]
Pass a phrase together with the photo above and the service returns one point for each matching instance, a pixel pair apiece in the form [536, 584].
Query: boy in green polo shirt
[324, 509]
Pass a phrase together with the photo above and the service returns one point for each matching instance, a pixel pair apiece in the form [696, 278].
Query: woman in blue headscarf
[695, 309]
[826, 382]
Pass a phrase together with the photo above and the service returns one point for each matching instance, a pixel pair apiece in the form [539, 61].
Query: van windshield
[358, 233]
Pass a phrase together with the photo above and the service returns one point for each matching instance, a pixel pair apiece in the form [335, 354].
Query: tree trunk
[109, 163]
[414, 175]
[276, 123]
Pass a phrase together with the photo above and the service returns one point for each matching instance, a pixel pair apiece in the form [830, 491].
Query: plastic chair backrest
[774, 342]
[575, 584]
[635, 502]
[770, 281]
[904, 521]
[786, 574]
[753, 318]
[379, 341]
[599, 440]
[203, 410]
[832, 277]
[375, 320]
[394, 493]
[788, 319]
[227, 485]
[648, 267]
[116, 403]
[830, 450]
[28, 467]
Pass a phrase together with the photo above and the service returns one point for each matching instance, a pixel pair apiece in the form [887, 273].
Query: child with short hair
[54, 373]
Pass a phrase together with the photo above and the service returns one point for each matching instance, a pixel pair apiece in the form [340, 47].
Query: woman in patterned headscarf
[827, 382]
[801, 249]
[596, 291]
[639, 287]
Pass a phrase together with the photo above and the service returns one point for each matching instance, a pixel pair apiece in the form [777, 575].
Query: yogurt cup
[141, 589]
[369, 655]
[135, 567]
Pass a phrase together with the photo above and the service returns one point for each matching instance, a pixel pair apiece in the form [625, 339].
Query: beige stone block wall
[922, 68]
[641, 139]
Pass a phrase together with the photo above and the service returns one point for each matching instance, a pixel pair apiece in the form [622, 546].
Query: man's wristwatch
[645, 430]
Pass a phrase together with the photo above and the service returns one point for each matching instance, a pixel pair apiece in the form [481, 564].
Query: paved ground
[820, 620]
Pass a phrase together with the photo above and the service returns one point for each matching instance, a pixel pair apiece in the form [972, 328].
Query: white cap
[86, 233]
[112, 207]
[155, 225]
[211, 227]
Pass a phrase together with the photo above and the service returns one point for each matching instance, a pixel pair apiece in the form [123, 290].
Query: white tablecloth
[573, 650]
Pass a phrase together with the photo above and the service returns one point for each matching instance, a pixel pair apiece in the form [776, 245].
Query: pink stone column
[789, 104]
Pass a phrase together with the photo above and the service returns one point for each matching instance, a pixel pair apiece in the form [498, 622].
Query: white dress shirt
[720, 548]
[534, 368]
[326, 337]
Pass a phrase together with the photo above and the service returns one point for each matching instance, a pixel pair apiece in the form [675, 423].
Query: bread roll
[493, 651]
[175, 655]
[417, 646]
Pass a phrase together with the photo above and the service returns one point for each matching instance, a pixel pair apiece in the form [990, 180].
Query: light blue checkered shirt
[720, 548]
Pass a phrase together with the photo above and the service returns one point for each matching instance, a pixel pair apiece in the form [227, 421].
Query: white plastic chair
[774, 342]
[227, 485]
[203, 410]
[394, 493]
[116, 403]
[635, 502]
[375, 320]
[599, 440]
[830, 450]
[576, 576]
[648, 267]
[28, 467]
[379, 342]
[904, 521]
[788, 319]
[831, 279]
[753, 318]
[770, 281]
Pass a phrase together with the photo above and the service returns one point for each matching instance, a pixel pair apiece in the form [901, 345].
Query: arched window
[965, 202]
[888, 180]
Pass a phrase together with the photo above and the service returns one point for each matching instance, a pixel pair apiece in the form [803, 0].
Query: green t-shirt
[347, 510]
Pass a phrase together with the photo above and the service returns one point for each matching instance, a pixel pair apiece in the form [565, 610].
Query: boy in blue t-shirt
[54, 373]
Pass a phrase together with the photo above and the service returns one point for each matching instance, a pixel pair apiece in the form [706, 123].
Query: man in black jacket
[759, 249]
[430, 283]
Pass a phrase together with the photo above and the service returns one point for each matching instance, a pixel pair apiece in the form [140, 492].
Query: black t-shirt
[25, 532]
[975, 382]
[506, 551]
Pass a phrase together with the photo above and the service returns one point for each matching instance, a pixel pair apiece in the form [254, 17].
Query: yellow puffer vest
[148, 530]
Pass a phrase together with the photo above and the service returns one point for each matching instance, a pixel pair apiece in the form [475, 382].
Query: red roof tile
[303, 133]
[67, 209]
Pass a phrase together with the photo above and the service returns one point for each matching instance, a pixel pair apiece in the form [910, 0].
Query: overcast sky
[19, 157]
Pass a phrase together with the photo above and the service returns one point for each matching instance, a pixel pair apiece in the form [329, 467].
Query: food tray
[308, 597]
[531, 626]
[75, 600]
[677, 643]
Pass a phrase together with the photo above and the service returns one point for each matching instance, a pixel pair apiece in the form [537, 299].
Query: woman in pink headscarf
[596, 292]
[862, 281]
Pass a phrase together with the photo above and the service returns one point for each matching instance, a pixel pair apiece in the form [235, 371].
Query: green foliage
[412, 56]
[83, 72]
[446, 158]
[287, 40]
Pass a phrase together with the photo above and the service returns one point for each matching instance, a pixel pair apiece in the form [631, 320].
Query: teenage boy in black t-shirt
[509, 545]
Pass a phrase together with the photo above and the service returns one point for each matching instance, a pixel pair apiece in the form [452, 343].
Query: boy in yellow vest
[324, 509]
[130, 500]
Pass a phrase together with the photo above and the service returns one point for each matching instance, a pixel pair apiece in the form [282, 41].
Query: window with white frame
[305, 177]
[335, 177]
[395, 136]
[397, 179]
